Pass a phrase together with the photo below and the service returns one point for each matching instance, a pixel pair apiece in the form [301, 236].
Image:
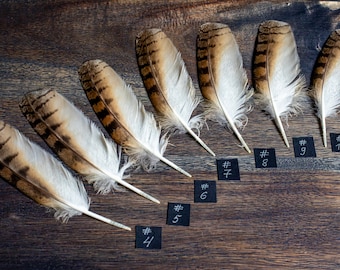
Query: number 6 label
[204, 191]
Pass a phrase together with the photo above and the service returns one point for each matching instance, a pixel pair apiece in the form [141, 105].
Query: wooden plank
[282, 218]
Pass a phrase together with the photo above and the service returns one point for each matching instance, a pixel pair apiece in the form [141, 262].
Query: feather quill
[123, 115]
[76, 140]
[325, 87]
[223, 80]
[276, 72]
[168, 84]
[41, 177]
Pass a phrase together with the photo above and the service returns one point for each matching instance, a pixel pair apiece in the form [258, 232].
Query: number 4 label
[148, 237]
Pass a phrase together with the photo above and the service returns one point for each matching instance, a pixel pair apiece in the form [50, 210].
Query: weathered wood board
[282, 218]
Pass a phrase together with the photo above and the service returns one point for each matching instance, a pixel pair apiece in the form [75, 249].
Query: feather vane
[276, 72]
[123, 115]
[41, 177]
[168, 84]
[76, 140]
[325, 86]
[223, 80]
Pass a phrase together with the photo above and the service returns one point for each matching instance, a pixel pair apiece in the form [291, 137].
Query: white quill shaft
[276, 72]
[43, 178]
[326, 81]
[123, 115]
[168, 83]
[76, 140]
[223, 80]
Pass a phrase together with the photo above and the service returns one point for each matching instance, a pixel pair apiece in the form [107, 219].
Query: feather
[325, 86]
[276, 72]
[168, 84]
[223, 80]
[76, 140]
[41, 177]
[123, 115]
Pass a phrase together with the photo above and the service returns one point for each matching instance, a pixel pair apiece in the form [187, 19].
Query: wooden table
[282, 218]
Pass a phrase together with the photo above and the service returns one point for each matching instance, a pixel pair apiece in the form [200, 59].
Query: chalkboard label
[335, 142]
[204, 191]
[227, 169]
[178, 214]
[265, 158]
[304, 147]
[148, 237]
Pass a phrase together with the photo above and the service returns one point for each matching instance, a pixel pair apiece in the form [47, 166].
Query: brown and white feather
[168, 83]
[76, 140]
[325, 85]
[277, 77]
[223, 80]
[123, 115]
[40, 176]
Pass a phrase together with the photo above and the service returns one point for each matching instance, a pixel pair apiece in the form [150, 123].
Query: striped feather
[123, 115]
[168, 84]
[76, 140]
[223, 80]
[277, 78]
[41, 177]
[325, 86]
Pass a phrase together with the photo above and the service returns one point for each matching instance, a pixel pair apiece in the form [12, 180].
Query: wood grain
[283, 218]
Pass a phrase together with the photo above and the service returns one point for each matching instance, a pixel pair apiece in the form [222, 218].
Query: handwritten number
[176, 219]
[303, 151]
[148, 241]
[204, 195]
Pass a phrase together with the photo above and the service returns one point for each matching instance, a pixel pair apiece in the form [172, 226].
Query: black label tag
[205, 191]
[335, 142]
[265, 158]
[178, 214]
[227, 169]
[304, 147]
[148, 237]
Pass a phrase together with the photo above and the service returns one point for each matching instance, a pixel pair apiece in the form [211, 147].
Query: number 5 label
[178, 214]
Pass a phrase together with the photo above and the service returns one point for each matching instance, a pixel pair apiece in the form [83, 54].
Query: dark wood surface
[283, 218]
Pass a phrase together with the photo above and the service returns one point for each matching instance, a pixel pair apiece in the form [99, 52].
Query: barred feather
[276, 72]
[223, 80]
[123, 115]
[76, 140]
[168, 84]
[325, 87]
[41, 177]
